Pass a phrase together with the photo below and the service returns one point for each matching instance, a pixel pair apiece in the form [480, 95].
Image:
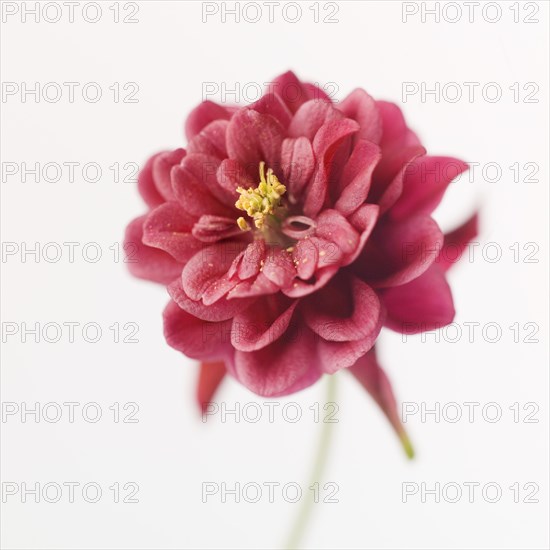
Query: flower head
[290, 231]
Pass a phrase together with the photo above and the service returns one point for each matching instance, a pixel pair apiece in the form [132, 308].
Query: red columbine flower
[290, 232]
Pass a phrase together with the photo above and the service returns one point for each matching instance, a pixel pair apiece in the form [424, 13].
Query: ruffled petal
[145, 262]
[272, 104]
[262, 323]
[361, 107]
[252, 138]
[196, 186]
[194, 337]
[210, 229]
[310, 117]
[285, 366]
[356, 177]
[220, 311]
[146, 184]
[162, 167]
[168, 227]
[207, 269]
[344, 310]
[298, 163]
[210, 140]
[202, 115]
[325, 146]
[398, 252]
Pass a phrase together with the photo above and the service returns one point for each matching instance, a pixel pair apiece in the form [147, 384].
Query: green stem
[321, 456]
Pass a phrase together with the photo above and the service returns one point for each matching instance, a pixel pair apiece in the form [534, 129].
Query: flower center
[262, 202]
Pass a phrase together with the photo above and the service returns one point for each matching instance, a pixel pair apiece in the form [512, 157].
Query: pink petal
[423, 304]
[335, 356]
[399, 252]
[387, 194]
[286, 365]
[272, 104]
[364, 220]
[344, 310]
[196, 187]
[208, 267]
[298, 163]
[279, 267]
[258, 286]
[424, 185]
[194, 337]
[210, 229]
[210, 140]
[294, 92]
[249, 262]
[253, 138]
[356, 177]
[456, 242]
[145, 262]
[333, 227]
[231, 174]
[162, 166]
[310, 117]
[168, 227]
[205, 113]
[262, 323]
[360, 106]
[325, 145]
[301, 288]
[211, 375]
[374, 380]
[146, 184]
[220, 311]
[395, 133]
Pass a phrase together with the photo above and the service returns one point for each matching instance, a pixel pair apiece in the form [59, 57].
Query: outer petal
[424, 185]
[194, 337]
[344, 310]
[210, 140]
[294, 92]
[423, 304]
[146, 184]
[374, 380]
[398, 252]
[196, 187]
[162, 166]
[168, 227]
[456, 241]
[204, 114]
[210, 377]
[361, 107]
[285, 366]
[310, 117]
[395, 133]
[272, 104]
[220, 311]
[145, 262]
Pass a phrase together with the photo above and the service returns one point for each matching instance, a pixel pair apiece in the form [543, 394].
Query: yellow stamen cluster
[261, 202]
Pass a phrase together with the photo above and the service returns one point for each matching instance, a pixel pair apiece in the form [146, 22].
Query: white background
[170, 53]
